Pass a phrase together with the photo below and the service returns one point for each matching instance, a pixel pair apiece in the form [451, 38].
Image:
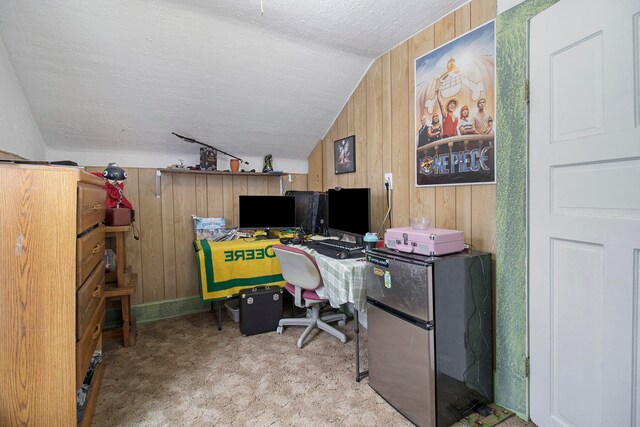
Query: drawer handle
[95, 249]
[96, 331]
[96, 291]
[97, 205]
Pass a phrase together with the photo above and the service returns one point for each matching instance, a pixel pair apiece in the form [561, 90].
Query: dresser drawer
[90, 250]
[89, 296]
[88, 343]
[91, 201]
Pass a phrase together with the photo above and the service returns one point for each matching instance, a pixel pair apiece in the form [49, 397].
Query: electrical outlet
[388, 179]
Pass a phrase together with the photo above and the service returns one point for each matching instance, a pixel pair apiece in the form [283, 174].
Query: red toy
[114, 177]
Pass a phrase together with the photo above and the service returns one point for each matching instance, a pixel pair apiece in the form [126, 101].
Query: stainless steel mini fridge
[430, 337]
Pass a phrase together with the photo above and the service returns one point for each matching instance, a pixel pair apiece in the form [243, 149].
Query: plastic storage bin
[233, 309]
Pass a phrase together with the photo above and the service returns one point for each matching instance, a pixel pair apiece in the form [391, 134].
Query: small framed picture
[344, 154]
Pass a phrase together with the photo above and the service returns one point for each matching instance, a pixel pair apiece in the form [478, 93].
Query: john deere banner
[455, 106]
[225, 268]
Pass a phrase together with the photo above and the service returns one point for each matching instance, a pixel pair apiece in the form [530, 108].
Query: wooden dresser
[51, 292]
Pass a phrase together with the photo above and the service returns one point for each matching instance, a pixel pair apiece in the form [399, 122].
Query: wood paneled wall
[163, 257]
[315, 178]
[380, 113]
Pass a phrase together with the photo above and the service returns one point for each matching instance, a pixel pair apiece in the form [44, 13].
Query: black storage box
[260, 309]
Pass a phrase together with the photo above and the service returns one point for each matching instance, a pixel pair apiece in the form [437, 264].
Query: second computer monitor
[267, 212]
[349, 210]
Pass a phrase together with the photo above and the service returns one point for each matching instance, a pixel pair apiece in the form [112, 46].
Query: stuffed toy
[114, 177]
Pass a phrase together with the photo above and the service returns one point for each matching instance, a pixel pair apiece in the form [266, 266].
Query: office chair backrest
[298, 267]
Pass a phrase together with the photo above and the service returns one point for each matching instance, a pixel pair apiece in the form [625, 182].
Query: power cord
[484, 344]
[136, 232]
[386, 185]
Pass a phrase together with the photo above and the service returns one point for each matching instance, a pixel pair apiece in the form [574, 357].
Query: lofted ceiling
[104, 76]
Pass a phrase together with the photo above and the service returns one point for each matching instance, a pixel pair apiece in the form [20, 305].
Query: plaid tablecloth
[343, 280]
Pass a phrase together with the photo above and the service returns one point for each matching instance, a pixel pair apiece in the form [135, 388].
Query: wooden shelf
[116, 333]
[116, 228]
[111, 277]
[111, 291]
[121, 284]
[169, 170]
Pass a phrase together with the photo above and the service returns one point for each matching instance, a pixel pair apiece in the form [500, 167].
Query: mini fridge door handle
[430, 325]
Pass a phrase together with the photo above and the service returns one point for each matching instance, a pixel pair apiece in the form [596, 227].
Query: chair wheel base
[279, 330]
[341, 323]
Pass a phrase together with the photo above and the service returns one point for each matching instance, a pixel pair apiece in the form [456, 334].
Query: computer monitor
[267, 212]
[349, 211]
[311, 211]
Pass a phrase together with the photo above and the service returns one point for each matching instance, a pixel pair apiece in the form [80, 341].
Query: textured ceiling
[105, 75]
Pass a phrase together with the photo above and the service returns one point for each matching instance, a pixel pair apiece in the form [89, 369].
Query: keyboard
[340, 245]
[332, 252]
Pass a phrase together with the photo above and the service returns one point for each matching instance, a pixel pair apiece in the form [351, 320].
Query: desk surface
[343, 280]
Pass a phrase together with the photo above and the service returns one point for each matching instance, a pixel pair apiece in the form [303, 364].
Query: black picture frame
[344, 155]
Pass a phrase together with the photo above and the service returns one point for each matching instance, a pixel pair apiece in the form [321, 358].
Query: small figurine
[268, 165]
[114, 176]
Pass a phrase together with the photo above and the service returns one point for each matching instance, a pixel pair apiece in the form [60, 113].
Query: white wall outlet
[388, 179]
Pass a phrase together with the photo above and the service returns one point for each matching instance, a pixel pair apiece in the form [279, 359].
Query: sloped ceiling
[105, 76]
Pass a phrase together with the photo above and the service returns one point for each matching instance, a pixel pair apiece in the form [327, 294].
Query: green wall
[157, 310]
[511, 204]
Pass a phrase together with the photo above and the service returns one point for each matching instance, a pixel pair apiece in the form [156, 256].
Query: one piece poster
[455, 107]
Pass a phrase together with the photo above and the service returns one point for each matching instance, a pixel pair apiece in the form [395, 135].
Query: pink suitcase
[432, 241]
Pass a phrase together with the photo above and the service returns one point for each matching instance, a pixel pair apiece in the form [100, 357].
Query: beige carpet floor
[183, 372]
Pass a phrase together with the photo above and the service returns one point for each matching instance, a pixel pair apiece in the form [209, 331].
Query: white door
[584, 209]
